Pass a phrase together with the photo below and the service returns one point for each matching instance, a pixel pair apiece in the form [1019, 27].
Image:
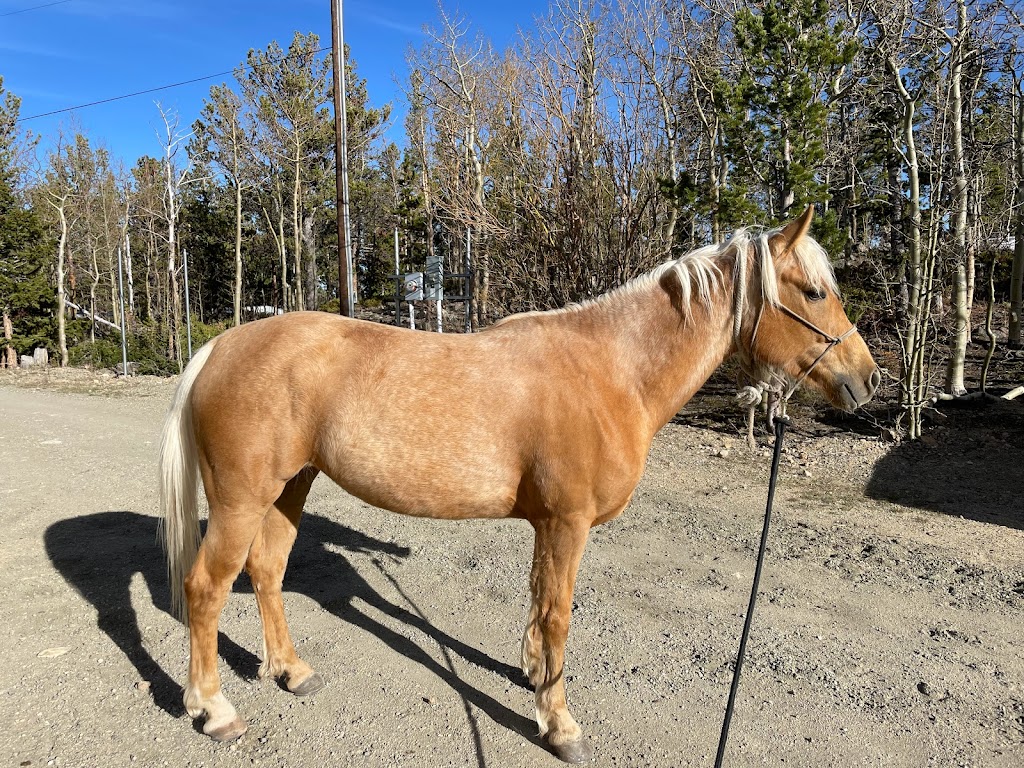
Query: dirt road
[889, 631]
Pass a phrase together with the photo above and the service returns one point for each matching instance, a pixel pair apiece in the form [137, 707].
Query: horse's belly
[427, 448]
[427, 483]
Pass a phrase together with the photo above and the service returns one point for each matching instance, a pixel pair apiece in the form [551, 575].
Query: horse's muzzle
[853, 393]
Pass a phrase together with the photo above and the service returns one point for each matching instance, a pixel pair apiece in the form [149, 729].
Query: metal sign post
[124, 322]
[188, 312]
[398, 293]
[469, 281]
[413, 286]
[434, 286]
[346, 295]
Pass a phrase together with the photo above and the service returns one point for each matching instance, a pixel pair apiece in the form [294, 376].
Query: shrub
[102, 353]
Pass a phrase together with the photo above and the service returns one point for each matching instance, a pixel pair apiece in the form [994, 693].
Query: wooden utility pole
[345, 293]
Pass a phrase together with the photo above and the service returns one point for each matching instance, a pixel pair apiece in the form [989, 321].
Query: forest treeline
[613, 134]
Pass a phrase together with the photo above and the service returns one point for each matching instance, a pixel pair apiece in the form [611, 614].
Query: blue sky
[78, 51]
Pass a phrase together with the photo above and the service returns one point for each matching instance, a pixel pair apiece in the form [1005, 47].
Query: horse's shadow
[99, 555]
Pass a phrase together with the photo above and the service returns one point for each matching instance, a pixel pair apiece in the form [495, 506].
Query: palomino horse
[557, 412]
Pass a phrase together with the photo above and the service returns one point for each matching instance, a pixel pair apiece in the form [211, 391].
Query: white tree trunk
[62, 338]
[298, 295]
[129, 279]
[173, 351]
[237, 297]
[1017, 274]
[92, 295]
[10, 357]
[961, 306]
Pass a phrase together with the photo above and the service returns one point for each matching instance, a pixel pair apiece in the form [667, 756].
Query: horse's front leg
[558, 548]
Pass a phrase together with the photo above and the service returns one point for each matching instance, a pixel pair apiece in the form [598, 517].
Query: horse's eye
[814, 294]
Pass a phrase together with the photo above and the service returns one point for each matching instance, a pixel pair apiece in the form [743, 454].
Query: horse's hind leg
[229, 533]
[558, 548]
[266, 564]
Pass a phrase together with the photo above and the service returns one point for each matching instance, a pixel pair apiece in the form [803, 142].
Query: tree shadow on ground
[99, 555]
[968, 464]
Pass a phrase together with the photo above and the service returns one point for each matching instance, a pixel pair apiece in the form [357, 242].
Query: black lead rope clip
[781, 422]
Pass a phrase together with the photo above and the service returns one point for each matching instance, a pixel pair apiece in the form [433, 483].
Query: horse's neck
[664, 358]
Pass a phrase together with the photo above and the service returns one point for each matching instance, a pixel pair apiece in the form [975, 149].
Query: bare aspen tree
[893, 22]
[289, 94]
[125, 242]
[565, 93]
[703, 46]
[113, 196]
[146, 215]
[10, 359]
[961, 262]
[454, 88]
[417, 129]
[646, 37]
[274, 213]
[638, 144]
[976, 71]
[226, 140]
[112, 203]
[175, 175]
[1015, 67]
[1017, 272]
[521, 237]
[57, 189]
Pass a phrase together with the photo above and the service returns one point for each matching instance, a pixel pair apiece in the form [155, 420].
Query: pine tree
[776, 111]
[26, 301]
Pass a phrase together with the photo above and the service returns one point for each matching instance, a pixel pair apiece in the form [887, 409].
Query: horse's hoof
[309, 686]
[229, 731]
[574, 751]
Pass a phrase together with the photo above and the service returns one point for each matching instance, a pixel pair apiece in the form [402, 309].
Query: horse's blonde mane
[699, 273]
[809, 257]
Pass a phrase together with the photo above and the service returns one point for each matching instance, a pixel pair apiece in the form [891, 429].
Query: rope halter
[778, 394]
[831, 343]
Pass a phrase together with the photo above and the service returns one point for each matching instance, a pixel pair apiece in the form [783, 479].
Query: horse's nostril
[875, 379]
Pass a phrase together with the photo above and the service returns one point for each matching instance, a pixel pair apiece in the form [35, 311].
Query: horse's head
[801, 328]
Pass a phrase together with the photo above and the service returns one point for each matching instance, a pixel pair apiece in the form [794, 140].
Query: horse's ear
[670, 284]
[796, 229]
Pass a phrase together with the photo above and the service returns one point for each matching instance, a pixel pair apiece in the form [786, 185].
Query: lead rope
[751, 397]
[780, 431]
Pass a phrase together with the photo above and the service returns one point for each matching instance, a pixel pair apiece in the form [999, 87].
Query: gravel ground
[888, 633]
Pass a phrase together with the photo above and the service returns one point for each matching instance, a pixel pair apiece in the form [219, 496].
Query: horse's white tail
[179, 504]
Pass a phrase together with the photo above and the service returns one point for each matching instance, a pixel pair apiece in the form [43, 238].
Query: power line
[34, 8]
[153, 90]
[125, 96]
